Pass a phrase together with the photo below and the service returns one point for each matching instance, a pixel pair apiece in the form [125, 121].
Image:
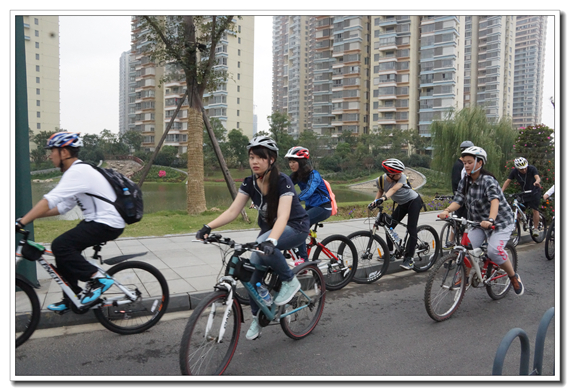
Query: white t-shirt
[70, 191]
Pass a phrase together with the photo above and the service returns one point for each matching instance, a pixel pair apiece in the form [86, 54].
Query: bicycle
[527, 219]
[447, 282]
[549, 244]
[374, 256]
[211, 335]
[137, 300]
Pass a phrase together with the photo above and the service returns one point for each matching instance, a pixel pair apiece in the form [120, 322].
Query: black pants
[67, 248]
[412, 209]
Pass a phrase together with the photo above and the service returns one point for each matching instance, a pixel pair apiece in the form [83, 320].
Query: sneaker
[517, 284]
[449, 245]
[94, 289]
[288, 290]
[254, 330]
[292, 263]
[63, 305]
[392, 258]
[407, 263]
[535, 234]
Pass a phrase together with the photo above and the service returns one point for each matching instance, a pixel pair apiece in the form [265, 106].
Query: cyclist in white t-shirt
[101, 221]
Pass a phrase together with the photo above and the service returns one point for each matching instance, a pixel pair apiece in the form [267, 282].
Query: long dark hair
[272, 196]
[304, 171]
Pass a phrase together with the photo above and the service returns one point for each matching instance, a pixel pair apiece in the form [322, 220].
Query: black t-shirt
[525, 180]
[298, 217]
[456, 174]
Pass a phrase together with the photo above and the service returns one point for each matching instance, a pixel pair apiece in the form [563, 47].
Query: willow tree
[471, 123]
[187, 46]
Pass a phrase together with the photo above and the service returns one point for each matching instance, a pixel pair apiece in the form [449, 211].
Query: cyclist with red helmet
[101, 222]
[313, 190]
[409, 203]
[283, 221]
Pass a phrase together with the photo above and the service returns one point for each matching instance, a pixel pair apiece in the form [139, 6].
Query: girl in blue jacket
[313, 190]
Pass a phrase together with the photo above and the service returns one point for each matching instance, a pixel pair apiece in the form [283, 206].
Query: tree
[132, 139]
[237, 148]
[38, 154]
[471, 123]
[210, 158]
[279, 129]
[188, 44]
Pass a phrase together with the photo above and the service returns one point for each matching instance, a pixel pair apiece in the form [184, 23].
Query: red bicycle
[448, 281]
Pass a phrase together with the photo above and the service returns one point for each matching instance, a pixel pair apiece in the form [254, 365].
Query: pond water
[172, 196]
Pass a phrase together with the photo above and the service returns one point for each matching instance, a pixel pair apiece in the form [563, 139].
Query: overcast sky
[91, 46]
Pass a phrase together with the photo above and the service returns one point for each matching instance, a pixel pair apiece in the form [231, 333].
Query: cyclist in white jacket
[101, 221]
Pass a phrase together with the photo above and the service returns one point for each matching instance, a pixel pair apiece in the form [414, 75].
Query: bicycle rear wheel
[27, 311]
[549, 245]
[540, 232]
[516, 234]
[338, 261]
[307, 305]
[501, 283]
[428, 248]
[447, 237]
[445, 288]
[143, 313]
[373, 256]
[203, 352]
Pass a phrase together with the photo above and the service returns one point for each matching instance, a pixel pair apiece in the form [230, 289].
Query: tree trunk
[222, 162]
[196, 198]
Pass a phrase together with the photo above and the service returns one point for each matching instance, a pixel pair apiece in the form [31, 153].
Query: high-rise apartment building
[397, 71]
[41, 34]
[152, 104]
[530, 41]
[124, 84]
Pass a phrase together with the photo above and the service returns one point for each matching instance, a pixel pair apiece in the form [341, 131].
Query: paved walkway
[191, 268]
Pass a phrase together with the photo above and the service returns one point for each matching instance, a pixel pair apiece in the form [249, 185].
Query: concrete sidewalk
[191, 268]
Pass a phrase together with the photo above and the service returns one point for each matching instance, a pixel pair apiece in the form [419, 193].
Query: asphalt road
[377, 332]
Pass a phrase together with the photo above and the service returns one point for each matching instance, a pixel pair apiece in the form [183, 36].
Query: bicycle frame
[400, 247]
[290, 253]
[50, 269]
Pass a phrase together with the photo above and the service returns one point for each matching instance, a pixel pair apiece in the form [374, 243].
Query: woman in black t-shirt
[283, 221]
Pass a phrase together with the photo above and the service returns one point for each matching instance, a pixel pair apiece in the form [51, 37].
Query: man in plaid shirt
[480, 192]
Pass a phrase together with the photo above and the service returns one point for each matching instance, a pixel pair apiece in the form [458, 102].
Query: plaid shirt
[478, 200]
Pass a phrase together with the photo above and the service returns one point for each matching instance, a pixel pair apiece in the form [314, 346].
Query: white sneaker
[288, 290]
[254, 330]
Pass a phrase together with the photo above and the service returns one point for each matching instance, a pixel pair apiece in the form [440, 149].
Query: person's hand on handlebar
[376, 203]
[487, 224]
[444, 214]
[203, 232]
[19, 226]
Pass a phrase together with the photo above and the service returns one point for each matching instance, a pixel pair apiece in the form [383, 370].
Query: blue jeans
[290, 238]
[316, 215]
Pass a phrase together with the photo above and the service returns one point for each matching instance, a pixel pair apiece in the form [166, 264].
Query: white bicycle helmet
[521, 163]
[297, 153]
[477, 152]
[64, 139]
[393, 166]
[263, 141]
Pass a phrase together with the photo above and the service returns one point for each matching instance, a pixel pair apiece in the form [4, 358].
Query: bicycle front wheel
[338, 261]
[549, 245]
[445, 288]
[538, 234]
[27, 311]
[499, 283]
[136, 316]
[305, 309]
[428, 248]
[373, 257]
[211, 336]
[516, 234]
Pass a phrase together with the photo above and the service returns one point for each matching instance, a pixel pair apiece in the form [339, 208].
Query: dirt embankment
[125, 167]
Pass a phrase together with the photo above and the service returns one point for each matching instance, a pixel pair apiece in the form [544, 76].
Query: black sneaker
[407, 263]
[60, 306]
[517, 284]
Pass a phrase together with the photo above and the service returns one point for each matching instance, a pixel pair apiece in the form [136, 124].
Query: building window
[37, 102]
[37, 68]
[36, 33]
[37, 45]
[237, 88]
[37, 91]
[237, 125]
[38, 114]
[238, 113]
[37, 56]
[239, 39]
[37, 79]
[38, 126]
[239, 64]
[239, 52]
[239, 76]
[238, 101]
[36, 21]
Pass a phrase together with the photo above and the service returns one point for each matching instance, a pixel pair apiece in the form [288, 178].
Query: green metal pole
[22, 144]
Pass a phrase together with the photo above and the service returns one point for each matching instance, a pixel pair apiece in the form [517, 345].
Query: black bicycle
[373, 253]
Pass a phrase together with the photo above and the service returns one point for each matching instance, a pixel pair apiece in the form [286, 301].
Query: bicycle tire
[497, 289]
[445, 288]
[373, 262]
[146, 311]
[312, 293]
[549, 245]
[444, 238]
[338, 271]
[240, 293]
[541, 232]
[28, 311]
[428, 248]
[516, 234]
[200, 352]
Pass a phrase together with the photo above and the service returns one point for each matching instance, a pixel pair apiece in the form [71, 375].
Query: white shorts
[496, 242]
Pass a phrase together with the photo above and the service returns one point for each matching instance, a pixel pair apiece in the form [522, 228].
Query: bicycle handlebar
[464, 221]
[217, 238]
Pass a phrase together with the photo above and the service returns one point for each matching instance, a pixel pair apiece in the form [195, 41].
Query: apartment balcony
[386, 109]
[388, 21]
[386, 121]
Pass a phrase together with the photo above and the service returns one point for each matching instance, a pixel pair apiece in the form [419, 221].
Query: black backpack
[129, 202]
